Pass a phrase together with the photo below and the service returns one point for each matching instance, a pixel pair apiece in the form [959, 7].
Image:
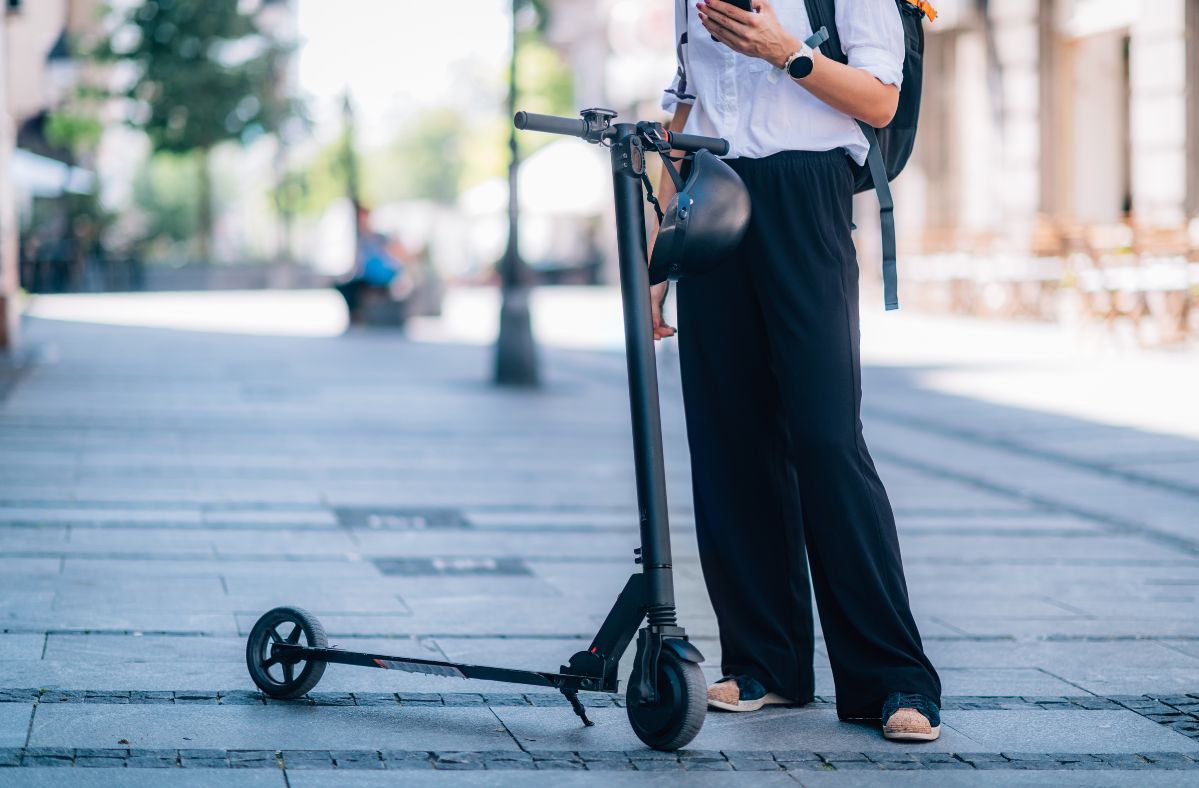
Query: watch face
[800, 67]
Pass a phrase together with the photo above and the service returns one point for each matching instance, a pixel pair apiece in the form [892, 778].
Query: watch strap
[817, 39]
[810, 45]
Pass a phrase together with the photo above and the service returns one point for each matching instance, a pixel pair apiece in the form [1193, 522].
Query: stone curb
[639, 760]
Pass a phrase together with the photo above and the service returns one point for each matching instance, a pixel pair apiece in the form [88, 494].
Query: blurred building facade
[1057, 170]
[37, 74]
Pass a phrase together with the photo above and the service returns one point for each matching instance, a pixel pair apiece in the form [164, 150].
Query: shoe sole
[931, 735]
[769, 699]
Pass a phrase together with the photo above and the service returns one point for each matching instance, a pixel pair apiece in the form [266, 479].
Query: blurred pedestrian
[378, 264]
[783, 481]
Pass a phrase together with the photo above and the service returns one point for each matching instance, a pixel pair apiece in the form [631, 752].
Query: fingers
[721, 33]
[661, 329]
[657, 298]
[727, 11]
[724, 26]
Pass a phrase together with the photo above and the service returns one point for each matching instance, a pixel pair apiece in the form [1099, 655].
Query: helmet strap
[653, 135]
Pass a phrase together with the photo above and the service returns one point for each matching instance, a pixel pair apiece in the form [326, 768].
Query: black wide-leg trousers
[782, 478]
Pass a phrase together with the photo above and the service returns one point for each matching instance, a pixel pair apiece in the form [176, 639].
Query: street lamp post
[515, 351]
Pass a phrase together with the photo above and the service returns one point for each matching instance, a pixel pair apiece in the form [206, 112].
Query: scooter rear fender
[684, 649]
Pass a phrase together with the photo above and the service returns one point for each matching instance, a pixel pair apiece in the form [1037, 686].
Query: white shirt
[757, 107]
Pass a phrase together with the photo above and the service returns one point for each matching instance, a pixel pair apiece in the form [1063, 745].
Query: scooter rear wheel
[682, 703]
[279, 679]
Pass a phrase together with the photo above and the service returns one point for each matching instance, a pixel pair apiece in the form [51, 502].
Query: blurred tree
[545, 85]
[205, 73]
[75, 130]
[161, 189]
[424, 162]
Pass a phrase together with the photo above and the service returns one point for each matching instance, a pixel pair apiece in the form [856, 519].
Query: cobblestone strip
[1180, 712]
[595, 760]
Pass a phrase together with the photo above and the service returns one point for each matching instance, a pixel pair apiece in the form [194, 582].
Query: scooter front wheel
[279, 678]
[675, 719]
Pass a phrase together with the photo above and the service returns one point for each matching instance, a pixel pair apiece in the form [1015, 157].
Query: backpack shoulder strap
[823, 13]
[886, 215]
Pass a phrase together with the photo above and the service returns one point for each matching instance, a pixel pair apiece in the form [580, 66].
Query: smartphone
[744, 5]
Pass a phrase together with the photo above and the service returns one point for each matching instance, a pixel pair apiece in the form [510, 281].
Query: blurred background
[260, 262]
[183, 145]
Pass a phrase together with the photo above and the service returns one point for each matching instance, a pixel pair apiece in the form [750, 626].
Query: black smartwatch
[801, 63]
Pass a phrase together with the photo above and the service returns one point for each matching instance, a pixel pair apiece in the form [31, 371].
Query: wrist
[790, 45]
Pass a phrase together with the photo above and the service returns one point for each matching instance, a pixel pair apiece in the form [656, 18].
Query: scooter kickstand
[573, 697]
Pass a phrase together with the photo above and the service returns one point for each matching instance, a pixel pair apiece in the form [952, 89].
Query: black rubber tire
[310, 633]
[676, 718]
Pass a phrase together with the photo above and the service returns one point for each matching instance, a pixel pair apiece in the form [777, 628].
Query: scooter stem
[627, 159]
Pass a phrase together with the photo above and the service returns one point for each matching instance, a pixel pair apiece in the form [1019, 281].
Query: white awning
[40, 176]
[1098, 17]
[565, 178]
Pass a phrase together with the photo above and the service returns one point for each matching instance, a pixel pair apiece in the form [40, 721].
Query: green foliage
[424, 162]
[544, 81]
[545, 85]
[322, 179]
[165, 190]
[205, 73]
[74, 130]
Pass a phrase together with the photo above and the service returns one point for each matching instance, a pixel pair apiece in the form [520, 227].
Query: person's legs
[807, 280]
[746, 496]
[351, 291]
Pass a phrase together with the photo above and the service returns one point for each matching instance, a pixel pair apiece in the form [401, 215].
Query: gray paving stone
[1002, 681]
[554, 778]
[188, 469]
[765, 731]
[626, 766]
[307, 759]
[253, 759]
[406, 759]
[272, 726]
[14, 723]
[152, 759]
[146, 648]
[21, 646]
[1067, 731]
[356, 759]
[375, 698]
[138, 778]
[991, 779]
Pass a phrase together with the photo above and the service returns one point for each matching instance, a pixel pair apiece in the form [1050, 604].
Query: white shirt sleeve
[671, 97]
[872, 37]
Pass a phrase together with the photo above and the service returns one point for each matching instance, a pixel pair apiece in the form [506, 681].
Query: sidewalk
[162, 487]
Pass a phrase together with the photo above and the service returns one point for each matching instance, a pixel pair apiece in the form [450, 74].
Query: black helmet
[703, 223]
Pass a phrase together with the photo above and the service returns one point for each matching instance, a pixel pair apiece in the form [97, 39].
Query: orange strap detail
[926, 7]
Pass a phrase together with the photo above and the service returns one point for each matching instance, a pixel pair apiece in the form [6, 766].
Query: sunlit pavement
[172, 465]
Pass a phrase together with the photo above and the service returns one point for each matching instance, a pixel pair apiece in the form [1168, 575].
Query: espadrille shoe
[742, 693]
[909, 717]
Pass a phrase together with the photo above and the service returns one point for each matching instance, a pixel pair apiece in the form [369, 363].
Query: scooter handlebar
[694, 142]
[550, 124]
[577, 127]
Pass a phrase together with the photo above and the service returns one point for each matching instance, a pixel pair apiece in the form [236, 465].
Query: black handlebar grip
[694, 142]
[550, 124]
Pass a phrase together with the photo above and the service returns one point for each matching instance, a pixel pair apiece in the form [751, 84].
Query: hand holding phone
[744, 5]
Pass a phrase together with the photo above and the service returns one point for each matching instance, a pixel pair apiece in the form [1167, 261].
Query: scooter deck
[562, 681]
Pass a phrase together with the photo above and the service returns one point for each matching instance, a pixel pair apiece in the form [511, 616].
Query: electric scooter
[666, 697]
